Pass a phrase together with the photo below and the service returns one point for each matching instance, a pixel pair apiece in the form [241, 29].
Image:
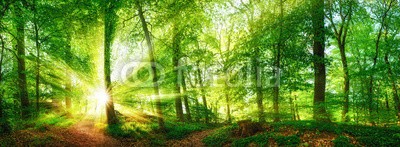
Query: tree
[343, 9]
[382, 16]
[317, 14]
[20, 38]
[177, 76]
[110, 19]
[160, 116]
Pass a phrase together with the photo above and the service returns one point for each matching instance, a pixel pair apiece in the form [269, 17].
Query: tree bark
[280, 46]
[176, 56]
[160, 116]
[37, 74]
[259, 87]
[1, 76]
[22, 83]
[320, 113]
[186, 98]
[341, 35]
[109, 31]
[394, 88]
[68, 82]
[203, 93]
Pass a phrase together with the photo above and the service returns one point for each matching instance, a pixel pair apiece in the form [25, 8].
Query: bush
[292, 140]
[220, 136]
[126, 130]
[260, 140]
[181, 130]
[5, 126]
[342, 141]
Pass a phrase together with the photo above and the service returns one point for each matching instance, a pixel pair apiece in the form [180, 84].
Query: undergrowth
[363, 135]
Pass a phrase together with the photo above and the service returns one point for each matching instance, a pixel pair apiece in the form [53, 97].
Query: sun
[101, 96]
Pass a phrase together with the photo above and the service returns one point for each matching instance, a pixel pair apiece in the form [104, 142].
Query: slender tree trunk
[22, 83]
[203, 92]
[375, 58]
[68, 82]
[1, 76]
[109, 30]
[341, 35]
[259, 87]
[153, 67]
[296, 108]
[320, 113]
[394, 88]
[228, 105]
[346, 88]
[185, 97]
[176, 56]
[226, 74]
[278, 66]
[37, 74]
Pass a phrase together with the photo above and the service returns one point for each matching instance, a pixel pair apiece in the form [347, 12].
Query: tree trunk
[1, 76]
[185, 97]
[259, 88]
[394, 88]
[37, 74]
[176, 56]
[341, 35]
[22, 83]
[278, 66]
[203, 92]
[375, 58]
[153, 67]
[346, 88]
[320, 113]
[68, 84]
[109, 30]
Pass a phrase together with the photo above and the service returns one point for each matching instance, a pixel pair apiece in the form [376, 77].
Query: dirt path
[86, 134]
[193, 140]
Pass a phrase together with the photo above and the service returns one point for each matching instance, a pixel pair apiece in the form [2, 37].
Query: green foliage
[342, 141]
[126, 130]
[51, 119]
[373, 136]
[260, 140]
[292, 140]
[180, 130]
[6, 126]
[220, 137]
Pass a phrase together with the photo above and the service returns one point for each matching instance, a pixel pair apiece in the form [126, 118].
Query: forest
[199, 73]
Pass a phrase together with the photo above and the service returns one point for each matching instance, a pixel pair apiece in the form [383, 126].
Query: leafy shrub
[292, 140]
[220, 136]
[51, 120]
[181, 130]
[126, 130]
[342, 141]
[5, 126]
[260, 140]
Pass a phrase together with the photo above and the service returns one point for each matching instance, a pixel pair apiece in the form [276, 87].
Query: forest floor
[301, 133]
[85, 133]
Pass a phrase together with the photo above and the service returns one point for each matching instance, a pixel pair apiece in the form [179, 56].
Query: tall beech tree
[317, 14]
[146, 31]
[110, 18]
